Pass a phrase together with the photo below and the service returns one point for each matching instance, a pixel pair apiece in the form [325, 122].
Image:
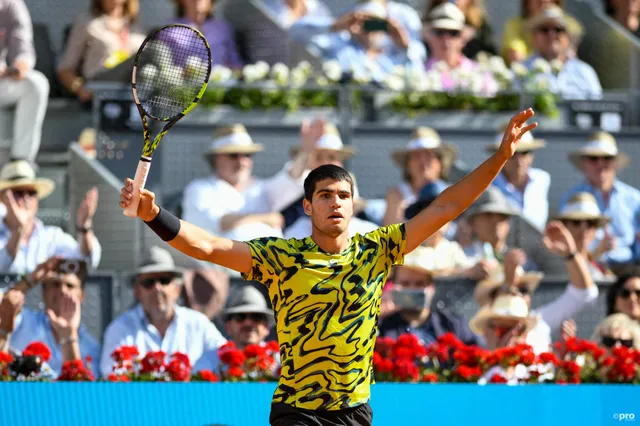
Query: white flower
[541, 66]
[280, 73]
[322, 81]
[482, 58]
[537, 84]
[171, 76]
[441, 66]
[416, 77]
[306, 67]
[399, 71]
[262, 70]
[496, 64]
[298, 77]
[220, 74]
[519, 70]
[476, 83]
[148, 73]
[556, 66]
[250, 73]
[434, 80]
[332, 70]
[361, 77]
[394, 82]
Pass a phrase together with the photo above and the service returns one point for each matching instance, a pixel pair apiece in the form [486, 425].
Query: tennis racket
[170, 75]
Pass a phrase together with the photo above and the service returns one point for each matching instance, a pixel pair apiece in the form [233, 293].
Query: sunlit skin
[234, 168]
[159, 301]
[444, 45]
[330, 210]
[630, 305]
[551, 40]
[55, 288]
[517, 169]
[246, 329]
[424, 166]
[583, 232]
[492, 228]
[600, 172]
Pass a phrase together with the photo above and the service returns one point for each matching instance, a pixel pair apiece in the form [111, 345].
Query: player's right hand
[147, 208]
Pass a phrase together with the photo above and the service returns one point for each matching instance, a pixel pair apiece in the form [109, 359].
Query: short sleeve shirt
[326, 308]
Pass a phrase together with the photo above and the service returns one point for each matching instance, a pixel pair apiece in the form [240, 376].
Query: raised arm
[457, 198]
[189, 239]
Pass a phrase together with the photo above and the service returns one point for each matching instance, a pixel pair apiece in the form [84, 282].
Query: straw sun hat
[506, 308]
[582, 206]
[426, 138]
[599, 144]
[20, 173]
[233, 139]
[330, 141]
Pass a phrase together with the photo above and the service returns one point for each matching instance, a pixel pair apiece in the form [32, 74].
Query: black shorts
[286, 415]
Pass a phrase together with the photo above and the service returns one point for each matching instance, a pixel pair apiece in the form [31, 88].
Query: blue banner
[248, 404]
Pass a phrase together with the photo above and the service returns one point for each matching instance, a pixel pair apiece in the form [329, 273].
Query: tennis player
[325, 289]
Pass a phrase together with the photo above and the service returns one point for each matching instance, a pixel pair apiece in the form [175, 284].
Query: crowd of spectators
[595, 231]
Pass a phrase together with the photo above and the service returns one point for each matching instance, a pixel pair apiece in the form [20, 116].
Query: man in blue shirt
[600, 160]
[571, 78]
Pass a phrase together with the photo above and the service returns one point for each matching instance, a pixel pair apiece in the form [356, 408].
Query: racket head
[171, 72]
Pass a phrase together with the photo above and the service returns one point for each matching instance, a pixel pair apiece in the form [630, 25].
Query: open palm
[515, 129]
[67, 321]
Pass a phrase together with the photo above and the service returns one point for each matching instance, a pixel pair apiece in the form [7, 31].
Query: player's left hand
[516, 128]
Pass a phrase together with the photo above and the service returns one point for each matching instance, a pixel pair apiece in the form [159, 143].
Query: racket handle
[138, 182]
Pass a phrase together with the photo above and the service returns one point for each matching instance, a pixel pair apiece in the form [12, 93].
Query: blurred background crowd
[556, 238]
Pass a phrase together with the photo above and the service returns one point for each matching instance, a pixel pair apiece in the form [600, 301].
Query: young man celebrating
[326, 289]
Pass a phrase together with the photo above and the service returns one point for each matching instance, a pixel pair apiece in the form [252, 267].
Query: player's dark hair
[328, 171]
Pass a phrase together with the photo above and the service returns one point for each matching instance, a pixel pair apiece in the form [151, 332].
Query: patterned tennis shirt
[326, 308]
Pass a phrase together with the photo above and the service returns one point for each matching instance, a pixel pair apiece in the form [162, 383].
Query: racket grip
[138, 182]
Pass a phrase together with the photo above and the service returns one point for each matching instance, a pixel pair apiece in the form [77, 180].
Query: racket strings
[171, 70]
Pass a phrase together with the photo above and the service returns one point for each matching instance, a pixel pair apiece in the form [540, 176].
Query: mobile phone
[375, 24]
[410, 299]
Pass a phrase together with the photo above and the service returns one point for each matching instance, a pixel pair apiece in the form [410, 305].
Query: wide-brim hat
[329, 141]
[505, 308]
[233, 139]
[492, 200]
[550, 13]
[600, 144]
[426, 138]
[446, 16]
[484, 288]
[527, 142]
[582, 206]
[20, 173]
[247, 300]
[158, 260]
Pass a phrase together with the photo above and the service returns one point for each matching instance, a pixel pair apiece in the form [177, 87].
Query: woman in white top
[426, 159]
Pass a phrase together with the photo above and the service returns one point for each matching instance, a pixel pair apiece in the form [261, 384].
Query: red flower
[561, 382]
[265, 363]
[232, 357]
[153, 362]
[403, 352]
[207, 376]
[405, 370]
[384, 345]
[125, 353]
[430, 378]
[572, 367]
[118, 378]
[470, 374]
[451, 340]
[273, 346]
[5, 358]
[255, 351]
[548, 358]
[37, 349]
[497, 378]
[178, 371]
[75, 371]
[181, 358]
[236, 372]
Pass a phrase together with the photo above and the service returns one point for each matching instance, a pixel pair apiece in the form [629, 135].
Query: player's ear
[306, 205]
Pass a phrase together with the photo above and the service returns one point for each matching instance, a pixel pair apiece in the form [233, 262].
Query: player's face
[158, 294]
[331, 207]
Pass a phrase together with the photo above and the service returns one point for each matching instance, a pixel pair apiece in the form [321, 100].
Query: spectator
[200, 14]
[580, 292]
[582, 217]
[58, 325]
[525, 187]
[624, 295]
[25, 242]
[288, 12]
[517, 40]
[325, 147]
[489, 221]
[21, 86]
[425, 160]
[599, 160]
[566, 75]
[617, 330]
[104, 39]
[251, 205]
[157, 322]
[248, 321]
[626, 13]
[413, 298]
[368, 43]
[477, 34]
[443, 29]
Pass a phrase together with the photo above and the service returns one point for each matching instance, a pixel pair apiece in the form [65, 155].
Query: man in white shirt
[525, 187]
[233, 203]
[287, 12]
[25, 241]
[157, 322]
[58, 325]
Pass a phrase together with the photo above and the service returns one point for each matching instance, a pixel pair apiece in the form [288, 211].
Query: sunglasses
[149, 283]
[238, 155]
[625, 293]
[23, 193]
[578, 223]
[255, 317]
[548, 30]
[450, 33]
[523, 153]
[523, 291]
[610, 342]
[596, 158]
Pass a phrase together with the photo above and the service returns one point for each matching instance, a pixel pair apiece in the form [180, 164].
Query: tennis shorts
[286, 415]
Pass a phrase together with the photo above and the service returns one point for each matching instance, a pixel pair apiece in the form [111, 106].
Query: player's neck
[329, 244]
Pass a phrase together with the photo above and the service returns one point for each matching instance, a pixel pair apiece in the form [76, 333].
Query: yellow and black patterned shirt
[326, 308]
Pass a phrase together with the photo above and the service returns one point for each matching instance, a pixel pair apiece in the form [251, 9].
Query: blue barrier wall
[247, 404]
